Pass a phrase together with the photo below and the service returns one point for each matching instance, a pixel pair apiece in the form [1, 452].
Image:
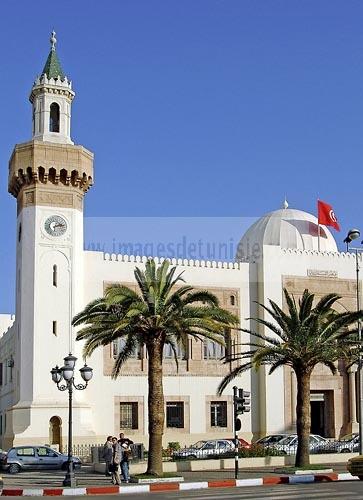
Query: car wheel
[14, 469]
[360, 477]
[345, 450]
[192, 456]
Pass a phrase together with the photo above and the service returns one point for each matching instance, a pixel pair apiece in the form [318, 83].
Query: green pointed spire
[52, 66]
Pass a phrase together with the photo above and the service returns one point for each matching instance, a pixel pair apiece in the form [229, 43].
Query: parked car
[205, 449]
[270, 440]
[288, 445]
[35, 457]
[347, 444]
[355, 466]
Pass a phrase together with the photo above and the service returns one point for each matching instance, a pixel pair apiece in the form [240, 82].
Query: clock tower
[48, 176]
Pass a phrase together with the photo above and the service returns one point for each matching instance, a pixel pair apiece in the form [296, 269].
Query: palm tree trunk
[155, 408]
[303, 418]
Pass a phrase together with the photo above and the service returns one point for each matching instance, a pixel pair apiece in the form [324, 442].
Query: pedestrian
[126, 456]
[116, 460]
[107, 455]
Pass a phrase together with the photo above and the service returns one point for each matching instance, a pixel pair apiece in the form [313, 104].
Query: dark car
[35, 457]
[355, 466]
[270, 440]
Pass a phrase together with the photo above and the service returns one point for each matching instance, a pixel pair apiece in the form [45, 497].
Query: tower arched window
[33, 119]
[55, 275]
[54, 117]
[232, 300]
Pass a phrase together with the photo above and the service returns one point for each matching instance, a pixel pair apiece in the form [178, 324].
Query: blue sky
[195, 108]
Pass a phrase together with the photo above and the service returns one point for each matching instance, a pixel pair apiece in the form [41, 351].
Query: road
[344, 490]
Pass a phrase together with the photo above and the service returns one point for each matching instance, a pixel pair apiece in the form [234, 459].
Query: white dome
[286, 228]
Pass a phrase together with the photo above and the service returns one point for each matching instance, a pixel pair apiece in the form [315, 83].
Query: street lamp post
[352, 235]
[67, 374]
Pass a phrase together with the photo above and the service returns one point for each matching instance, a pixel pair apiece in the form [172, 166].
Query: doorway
[317, 417]
[55, 432]
[322, 413]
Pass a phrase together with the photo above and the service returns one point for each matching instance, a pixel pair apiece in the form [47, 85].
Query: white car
[288, 445]
[205, 449]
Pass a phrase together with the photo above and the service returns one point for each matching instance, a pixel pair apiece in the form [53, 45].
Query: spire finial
[285, 204]
[53, 40]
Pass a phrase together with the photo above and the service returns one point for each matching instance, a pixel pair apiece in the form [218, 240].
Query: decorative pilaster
[353, 425]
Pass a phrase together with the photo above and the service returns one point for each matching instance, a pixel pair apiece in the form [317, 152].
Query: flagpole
[318, 229]
[318, 236]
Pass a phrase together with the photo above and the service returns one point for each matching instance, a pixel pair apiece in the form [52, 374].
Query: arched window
[33, 119]
[55, 275]
[54, 117]
[232, 300]
[55, 431]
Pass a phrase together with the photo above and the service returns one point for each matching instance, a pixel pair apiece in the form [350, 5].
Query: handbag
[127, 451]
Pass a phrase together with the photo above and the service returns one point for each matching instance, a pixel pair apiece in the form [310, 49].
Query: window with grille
[175, 414]
[128, 416]
[119, 344]
[218, 414]
[169, 354]
[212, 350]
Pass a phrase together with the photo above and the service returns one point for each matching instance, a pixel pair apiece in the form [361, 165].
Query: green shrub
[258, 451]
[174, 445]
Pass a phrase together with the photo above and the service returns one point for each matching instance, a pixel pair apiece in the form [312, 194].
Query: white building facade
[55, 278]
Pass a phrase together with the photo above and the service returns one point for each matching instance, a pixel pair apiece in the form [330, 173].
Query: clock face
[55, 225]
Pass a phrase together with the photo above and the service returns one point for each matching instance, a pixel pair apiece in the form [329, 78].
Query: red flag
[326, 215]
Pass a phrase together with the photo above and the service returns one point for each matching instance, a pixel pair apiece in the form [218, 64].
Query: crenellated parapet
[50, 174]
[333, 255]
[56, 86]
[176, 262]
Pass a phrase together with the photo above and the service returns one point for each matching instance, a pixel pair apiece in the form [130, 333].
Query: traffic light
[241, 405]
[242, 402]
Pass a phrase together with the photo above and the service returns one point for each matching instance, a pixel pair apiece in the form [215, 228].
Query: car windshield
[348, 437]
[276, 438]
[266, 439]
[198, 444]
[320, 438]
[287, 440]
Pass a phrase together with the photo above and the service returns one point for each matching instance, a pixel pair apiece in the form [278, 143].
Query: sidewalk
[246, 473]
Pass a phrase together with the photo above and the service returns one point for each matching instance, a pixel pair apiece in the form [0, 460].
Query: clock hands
[55, 225]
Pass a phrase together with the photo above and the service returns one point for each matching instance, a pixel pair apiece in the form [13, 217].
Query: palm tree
[303, 337]
[162, 312]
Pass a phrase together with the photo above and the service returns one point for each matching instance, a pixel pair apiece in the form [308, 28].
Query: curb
[148, 488]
